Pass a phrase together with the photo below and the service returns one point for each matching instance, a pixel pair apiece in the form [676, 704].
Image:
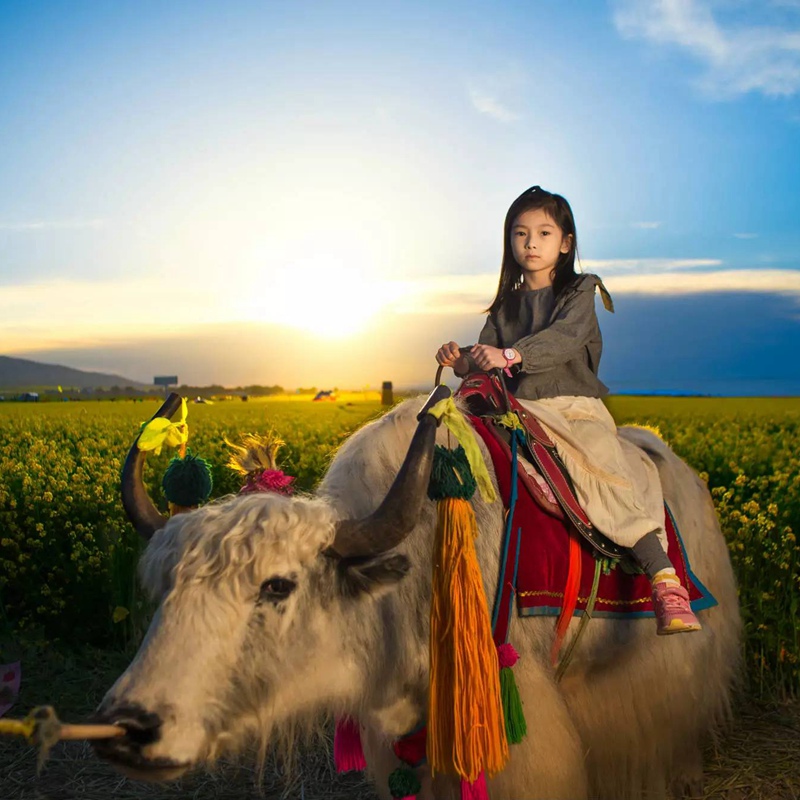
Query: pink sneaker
[673, 612]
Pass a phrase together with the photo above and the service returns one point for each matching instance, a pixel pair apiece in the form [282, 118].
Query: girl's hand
[488, 357]
[448, 354]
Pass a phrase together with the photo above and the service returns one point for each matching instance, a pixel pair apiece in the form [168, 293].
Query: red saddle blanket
[535, 561]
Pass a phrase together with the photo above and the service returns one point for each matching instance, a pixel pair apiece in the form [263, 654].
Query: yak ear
[372, 575]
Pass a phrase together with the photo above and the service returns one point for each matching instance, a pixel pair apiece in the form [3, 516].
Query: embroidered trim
[544, 592]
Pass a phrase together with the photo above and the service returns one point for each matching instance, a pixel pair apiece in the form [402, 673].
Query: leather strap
[485, 397]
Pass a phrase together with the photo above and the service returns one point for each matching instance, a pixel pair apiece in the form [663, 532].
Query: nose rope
[43, 729]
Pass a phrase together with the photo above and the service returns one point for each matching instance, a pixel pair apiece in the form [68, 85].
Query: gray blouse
[559, 341]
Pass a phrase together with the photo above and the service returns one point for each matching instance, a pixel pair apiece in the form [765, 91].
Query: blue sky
[313, 193]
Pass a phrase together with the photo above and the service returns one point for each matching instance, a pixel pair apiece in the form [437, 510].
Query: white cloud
[51, 225]
[773, 281]
[59, 310]
[646, 225]
[444, 294]
[82, 314]
[489, 105]
[471, 294]
[646, 265]
[738, 58]
[39, 314]
[746, 235]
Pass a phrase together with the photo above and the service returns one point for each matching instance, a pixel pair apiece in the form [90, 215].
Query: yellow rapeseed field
[67, 554]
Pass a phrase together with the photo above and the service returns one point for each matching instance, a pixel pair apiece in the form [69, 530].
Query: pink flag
[10, 675]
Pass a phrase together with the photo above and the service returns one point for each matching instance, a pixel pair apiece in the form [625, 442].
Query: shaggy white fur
[221, 663]
[236, 539]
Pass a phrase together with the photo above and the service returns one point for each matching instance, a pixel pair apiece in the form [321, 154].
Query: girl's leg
[620, 491]
[650, 556]
[671, 600]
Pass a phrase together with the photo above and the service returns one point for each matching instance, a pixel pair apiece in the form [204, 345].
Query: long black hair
[555, 206]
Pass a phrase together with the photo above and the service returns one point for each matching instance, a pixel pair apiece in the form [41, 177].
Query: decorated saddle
[542, 555]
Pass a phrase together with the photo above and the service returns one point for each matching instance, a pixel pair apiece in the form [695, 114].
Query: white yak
[276, 611]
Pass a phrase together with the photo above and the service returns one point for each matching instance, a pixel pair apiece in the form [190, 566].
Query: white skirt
[616, 483]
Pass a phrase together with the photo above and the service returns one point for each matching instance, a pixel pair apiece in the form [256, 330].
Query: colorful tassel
[348, 754]
[466, 730]
[516, 727]
[410, 749]
[507, 655]
[570, 593]
[476, 790]
[404, 784]
[270, 480]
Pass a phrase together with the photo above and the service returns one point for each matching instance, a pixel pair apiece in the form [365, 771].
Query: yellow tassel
[160, 431]
[466, 728]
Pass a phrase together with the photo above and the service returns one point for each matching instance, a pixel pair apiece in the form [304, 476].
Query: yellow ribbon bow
[447, 411]
[160, 431]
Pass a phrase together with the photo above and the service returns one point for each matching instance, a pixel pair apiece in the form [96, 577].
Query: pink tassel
[270, 480]
[507, 655]
[348, 754]
[475, 791]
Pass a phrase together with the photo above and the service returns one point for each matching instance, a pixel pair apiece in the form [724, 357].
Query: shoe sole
[680, 628]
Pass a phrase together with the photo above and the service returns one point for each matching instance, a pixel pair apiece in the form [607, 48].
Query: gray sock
[649, 554]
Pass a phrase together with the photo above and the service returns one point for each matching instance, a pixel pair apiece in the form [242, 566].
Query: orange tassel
[466, 728]
[570, 593]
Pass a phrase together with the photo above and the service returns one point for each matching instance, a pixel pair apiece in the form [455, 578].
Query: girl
[542, 329]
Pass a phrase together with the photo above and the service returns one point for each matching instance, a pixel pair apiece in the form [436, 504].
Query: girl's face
[537, 242]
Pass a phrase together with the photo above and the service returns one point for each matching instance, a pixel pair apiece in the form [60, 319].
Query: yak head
[266, 616]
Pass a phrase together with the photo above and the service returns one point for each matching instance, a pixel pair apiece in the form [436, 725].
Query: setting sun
[327, 296]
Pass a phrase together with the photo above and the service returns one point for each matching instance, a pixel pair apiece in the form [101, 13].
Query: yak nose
[142, 728]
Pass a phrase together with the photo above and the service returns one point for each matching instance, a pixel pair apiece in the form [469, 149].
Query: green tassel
[607, 564]
[403, 782]
[451, 475]
[187, 481]
[516, 727]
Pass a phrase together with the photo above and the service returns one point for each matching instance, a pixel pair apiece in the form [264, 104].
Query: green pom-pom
[404, 782]
[187, 481]
[516, 727]
[451, 475]
[608, 565]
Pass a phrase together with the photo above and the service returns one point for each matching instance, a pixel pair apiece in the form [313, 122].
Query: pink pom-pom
[475, 791]
[348, 754]
[507, 655]
[270, 480]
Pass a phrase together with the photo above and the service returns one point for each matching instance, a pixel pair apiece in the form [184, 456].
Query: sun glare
[324, 296]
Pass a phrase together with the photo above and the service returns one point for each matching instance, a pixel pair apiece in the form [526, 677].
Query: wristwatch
[509, 354]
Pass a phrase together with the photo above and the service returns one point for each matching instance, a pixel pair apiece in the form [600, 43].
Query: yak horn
[399, 512]
[145, 517]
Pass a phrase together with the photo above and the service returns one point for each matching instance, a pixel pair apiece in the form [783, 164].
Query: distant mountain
[19, 374]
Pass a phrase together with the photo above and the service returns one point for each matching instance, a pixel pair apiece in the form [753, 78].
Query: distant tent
[325, 395]
[30, 397]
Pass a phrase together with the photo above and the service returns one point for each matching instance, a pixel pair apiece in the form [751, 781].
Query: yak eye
[276, 589]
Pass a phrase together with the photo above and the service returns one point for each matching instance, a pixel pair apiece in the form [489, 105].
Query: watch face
[509, 354]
